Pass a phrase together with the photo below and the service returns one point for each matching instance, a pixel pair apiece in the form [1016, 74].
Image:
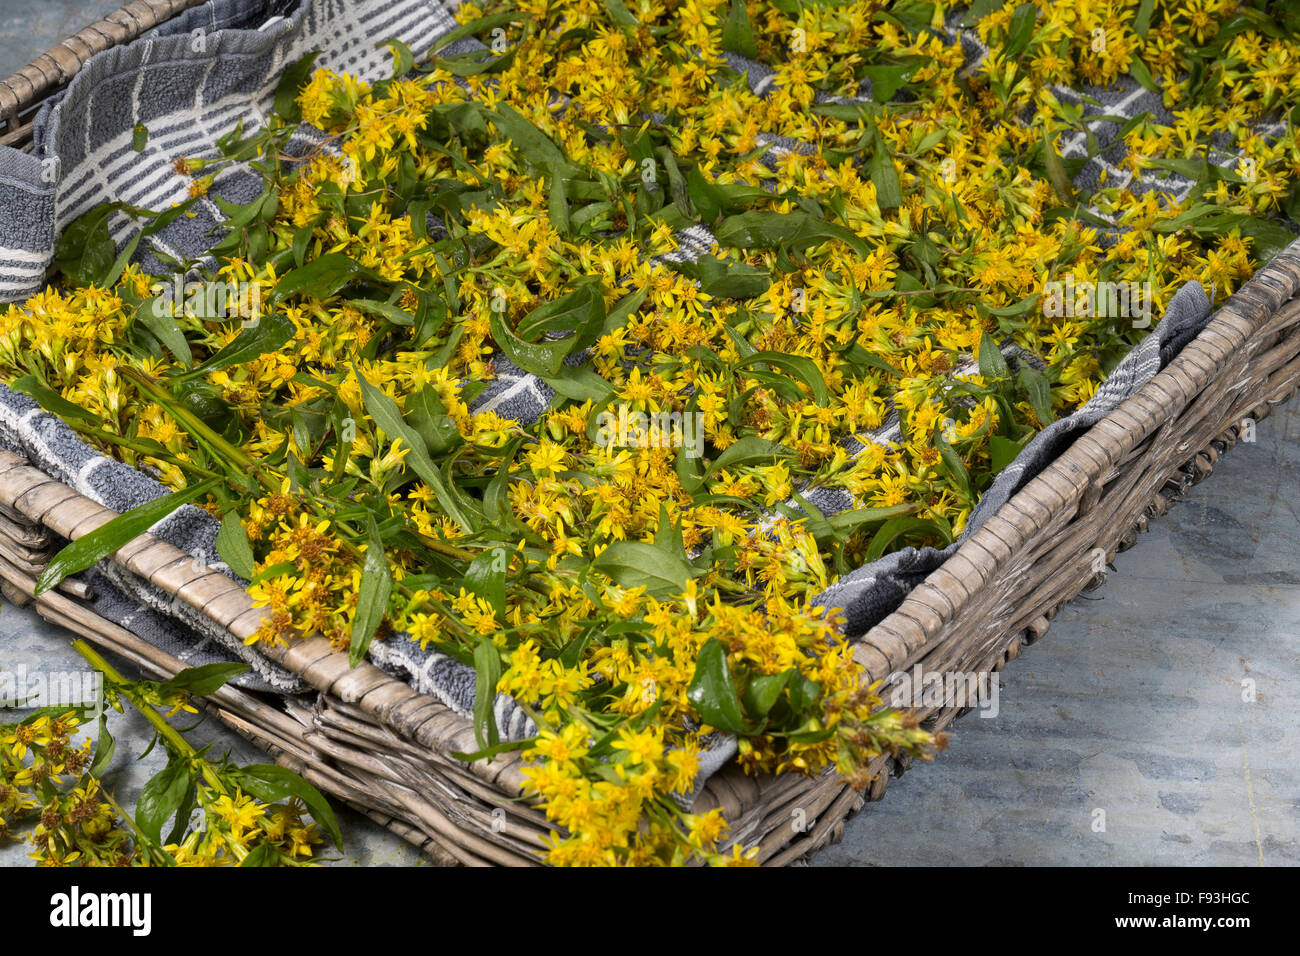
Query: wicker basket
[375, 743]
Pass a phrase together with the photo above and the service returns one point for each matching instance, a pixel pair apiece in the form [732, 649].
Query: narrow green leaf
[403, 60]
[52, 401]
[1056, 174]
[272, 784]
[162, 323]
[534, 145]
[292, 80]
[1040, 392]
[486, 578]
[162, 796]
[487, 668]
[270, 334]
[104, 748]
[372, 600]
[889, 191]
[712, 691]
[802, 368]
[993, 365]
[206, 679]
[233, 546]
[82, 553]
[388, 417]
[748, 451]
[1020, 31]
[264, 854]
[621, 15]
[1002, 452]
[737, 34]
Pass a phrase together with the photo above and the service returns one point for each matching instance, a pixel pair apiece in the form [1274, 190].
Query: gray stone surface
[1131, 704]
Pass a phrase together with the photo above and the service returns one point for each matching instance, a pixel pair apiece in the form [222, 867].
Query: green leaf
[233, 546]
[487, 668]
[488, 752]
[372, 601]
[886, 80]
[632, 564]
[292, 80]
[1040, 392]
[889, 191]
[1056, 174]
[403, 60]
[270, 783]
[388, 417]
[540, 358]
[205, 680]
[802, 368]
[85, 251]
[993, 365]
[1142, 22]
[557, 206]
[425, 412]
[270, 334]
[580, 312]
[320, 278]
[104, 748]
[712, 691]
[897, 527]
[952, 463]
[393, 313]
[737, 34]
[162, 323]
[725, 278]
[758, 229]
[1002, 452]
[486, 578]
[580, 383]
[476, 62]
[847, 522]
[748, 451]
[139, 137]
[162, 796]
[763, 691]
[1020, 31]
[534, 145]
[475, 27]
[621, 15]
[103, 541]
[1139, 71]
[264, 854]
[52, 401]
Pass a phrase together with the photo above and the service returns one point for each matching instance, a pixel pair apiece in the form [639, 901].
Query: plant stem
[165, 730]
